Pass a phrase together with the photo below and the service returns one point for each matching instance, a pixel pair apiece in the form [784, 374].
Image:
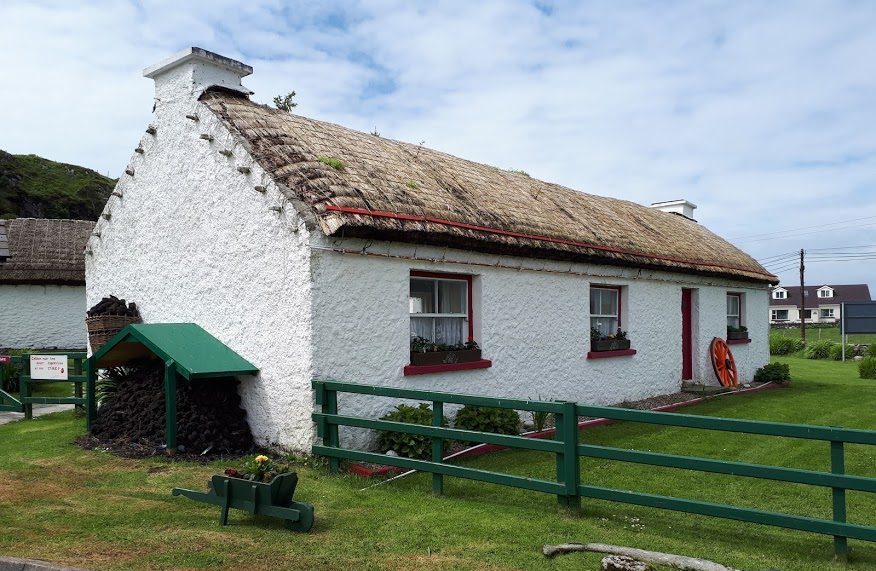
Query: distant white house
[317, 251]
[822, 303]
[42, 283]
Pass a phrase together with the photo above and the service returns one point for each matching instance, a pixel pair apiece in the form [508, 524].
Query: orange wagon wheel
[723, 363]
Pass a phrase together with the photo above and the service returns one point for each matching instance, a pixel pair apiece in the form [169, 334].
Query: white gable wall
[42, 316]
[533, 324]
[192, 241]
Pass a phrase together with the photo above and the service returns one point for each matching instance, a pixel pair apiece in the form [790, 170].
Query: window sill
[607, 354]
[411, 370]
[738, 341]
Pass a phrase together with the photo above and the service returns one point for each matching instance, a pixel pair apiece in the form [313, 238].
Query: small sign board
[48, 367]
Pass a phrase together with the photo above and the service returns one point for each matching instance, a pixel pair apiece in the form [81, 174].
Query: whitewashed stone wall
[532, 323]
[191, 240]
[42, 316]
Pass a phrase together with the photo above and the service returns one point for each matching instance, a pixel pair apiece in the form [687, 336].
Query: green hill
[34, 187]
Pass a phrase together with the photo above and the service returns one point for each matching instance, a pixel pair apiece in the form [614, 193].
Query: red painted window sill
[738, 341]
[445, 367]
[606, 354]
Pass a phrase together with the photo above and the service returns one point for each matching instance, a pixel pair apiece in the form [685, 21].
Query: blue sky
[761, 113]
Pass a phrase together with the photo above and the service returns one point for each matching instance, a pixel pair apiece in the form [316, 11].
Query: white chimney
[682, 207]
[189, 73]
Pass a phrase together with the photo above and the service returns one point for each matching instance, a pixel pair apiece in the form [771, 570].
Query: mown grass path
[92, 509]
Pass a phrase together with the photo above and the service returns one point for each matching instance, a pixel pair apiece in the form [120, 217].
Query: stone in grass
[624, 563]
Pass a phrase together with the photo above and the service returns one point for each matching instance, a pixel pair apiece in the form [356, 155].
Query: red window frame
[462, 277]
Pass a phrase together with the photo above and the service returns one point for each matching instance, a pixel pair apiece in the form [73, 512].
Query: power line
[798, 234]
[840, 248]
[805, 228]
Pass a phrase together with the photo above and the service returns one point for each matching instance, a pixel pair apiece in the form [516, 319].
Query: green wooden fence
[25, 401]
[568, 449]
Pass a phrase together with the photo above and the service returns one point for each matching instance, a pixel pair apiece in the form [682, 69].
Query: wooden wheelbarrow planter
[273, 499]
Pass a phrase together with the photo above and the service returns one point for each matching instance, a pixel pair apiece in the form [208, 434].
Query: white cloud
[761, 113]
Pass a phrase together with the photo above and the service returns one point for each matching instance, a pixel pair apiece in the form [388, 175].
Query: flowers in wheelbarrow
[258, 469]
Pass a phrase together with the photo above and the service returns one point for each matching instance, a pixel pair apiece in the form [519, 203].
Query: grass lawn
[819, 333]
[95, 510]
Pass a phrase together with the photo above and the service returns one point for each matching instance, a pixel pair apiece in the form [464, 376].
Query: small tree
[285, 102]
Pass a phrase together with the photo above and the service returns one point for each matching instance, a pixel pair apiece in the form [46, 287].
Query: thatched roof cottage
[42, 283]
[314, 250]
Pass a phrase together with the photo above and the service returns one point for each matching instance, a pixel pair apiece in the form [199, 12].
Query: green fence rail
[25, 401]
[569, 450]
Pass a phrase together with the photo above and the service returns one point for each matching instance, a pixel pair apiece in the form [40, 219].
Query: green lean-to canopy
[196, 353]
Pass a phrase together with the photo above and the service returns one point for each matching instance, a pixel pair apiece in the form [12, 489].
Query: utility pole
[802, 300]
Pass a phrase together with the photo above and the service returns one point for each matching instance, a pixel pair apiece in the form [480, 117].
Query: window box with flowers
[616, 341]
[737, 333]
[424, 352]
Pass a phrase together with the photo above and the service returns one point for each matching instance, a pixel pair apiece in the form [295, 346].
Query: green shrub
[409, 445]
[773, 373]
[867, 368]
[871, 350]
[819, 349]
[781, 345]
[9, 373]
[487, 419]
[836, 351]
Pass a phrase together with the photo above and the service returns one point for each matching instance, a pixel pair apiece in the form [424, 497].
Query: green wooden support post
[837, 466]
[568, 462]
[437, 447]
[91, 381]
[330, 406]
[170, 405]
[77, 387]
[24, 386]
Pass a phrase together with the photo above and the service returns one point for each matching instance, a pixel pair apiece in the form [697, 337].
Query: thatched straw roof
[45, 251]
[391, 190]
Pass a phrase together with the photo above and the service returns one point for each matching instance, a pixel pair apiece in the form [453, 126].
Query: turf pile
[130, 420]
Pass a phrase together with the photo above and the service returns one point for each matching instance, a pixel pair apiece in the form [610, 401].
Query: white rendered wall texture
[42, 316]
[190, 240]
[533, 324]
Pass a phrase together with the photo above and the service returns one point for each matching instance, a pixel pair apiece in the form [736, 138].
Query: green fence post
[77, 387]
[437, 447]
[91, 381]
[331, 438]
[837, 466]
[24, 386]
[568, 463]
[170, 405]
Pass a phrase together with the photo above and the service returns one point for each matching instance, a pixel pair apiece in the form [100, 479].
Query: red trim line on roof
[418, 218]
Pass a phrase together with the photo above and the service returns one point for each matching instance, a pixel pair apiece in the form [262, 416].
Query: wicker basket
[102, 328]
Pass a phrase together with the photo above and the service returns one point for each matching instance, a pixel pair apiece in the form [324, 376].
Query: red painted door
[686, 335]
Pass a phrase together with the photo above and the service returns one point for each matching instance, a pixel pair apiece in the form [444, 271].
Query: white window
[605, 306]
[780, 294]
[439, 308]
[734, 309]
[779, 314]
[826, 312]
[827, 292]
